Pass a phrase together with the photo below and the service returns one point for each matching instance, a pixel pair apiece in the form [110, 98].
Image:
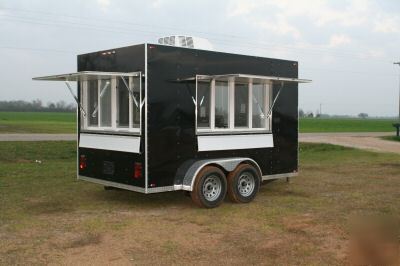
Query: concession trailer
[154, 118]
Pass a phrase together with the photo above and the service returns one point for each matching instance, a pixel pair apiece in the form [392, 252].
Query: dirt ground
[367, 141]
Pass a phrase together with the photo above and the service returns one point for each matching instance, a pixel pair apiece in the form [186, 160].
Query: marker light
[82, 162]
[137, 170]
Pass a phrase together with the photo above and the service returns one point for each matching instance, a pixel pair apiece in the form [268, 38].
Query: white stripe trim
[110, 142]
[234, 142]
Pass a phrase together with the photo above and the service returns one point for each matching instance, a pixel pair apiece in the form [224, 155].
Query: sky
[346, 47]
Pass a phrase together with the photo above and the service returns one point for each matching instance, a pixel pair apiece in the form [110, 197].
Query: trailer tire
[210, 186]
[243, 183]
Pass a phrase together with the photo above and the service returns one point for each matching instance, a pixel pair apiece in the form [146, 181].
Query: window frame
[267, 85]
[114, 129]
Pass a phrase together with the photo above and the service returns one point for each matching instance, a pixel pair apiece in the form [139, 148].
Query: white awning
[246, 77]
[87, 75]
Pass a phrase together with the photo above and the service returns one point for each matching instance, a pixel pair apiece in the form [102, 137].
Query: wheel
[209, 187]
[243, 183]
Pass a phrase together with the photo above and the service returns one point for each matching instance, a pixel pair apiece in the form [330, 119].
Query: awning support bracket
[269, 114]
[76, 98]
[103, 90]
[130, 91]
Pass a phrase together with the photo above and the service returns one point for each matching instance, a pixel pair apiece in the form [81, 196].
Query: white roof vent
[187, 42]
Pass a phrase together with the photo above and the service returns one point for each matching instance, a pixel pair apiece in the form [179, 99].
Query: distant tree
[61, 105]
[301, 113]
[36, 106]
[363, 115]
[51, 105]
[310, 114]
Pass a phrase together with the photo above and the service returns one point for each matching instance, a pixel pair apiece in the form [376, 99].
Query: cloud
[302, 20]
[240, 7]
[387, 24]
[157, 3]
[339, 40]
[373, 53]
[104, 4]
[279, 26]
[319, 12]
[279, 17]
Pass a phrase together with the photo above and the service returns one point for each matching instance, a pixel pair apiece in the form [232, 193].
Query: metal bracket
[141, 105]
[276, 98]
[76, 98]
[130, 92]
[96, 109]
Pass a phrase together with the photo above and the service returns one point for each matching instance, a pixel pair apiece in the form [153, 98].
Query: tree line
[310, 114]
[36, 106]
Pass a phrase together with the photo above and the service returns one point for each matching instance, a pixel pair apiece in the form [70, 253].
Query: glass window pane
[105, 103]
[122, 104]
[136, 104]
[92, 101]
[259, 114]
[241, 105]
[221, 104]
[203, 104]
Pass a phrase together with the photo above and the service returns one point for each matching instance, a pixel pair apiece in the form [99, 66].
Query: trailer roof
[245, 77]
[87, 75]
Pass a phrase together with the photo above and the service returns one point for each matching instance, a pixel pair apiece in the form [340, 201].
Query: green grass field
[309, 125]
[37, 122]
[48, 217]
[42, 122]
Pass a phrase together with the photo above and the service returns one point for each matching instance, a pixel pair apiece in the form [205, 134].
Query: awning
[87, 75]
[246, 77]
[90, 75]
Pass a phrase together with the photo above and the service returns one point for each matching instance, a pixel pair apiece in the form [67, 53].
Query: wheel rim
[212, 188]
[246, 184]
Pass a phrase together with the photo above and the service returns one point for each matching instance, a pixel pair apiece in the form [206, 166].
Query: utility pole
[397, 125]
[398, 63]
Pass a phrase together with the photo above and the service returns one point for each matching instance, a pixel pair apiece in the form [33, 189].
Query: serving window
[112, 104]
[230, 104]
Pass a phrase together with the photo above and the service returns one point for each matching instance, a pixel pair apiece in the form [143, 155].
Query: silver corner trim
[278, 176]
[186, 188]
[146, 168]
[112, 184]
[160, 189]
[182, 187]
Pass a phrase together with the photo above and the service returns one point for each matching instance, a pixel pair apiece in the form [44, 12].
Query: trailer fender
[187, 172]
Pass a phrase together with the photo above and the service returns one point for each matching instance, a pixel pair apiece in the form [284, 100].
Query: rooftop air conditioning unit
[187, 42]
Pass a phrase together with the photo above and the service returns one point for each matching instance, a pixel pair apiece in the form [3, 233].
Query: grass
[309, 125]
[42, 122]
[392, 138]
[37, 122]
[48, 217]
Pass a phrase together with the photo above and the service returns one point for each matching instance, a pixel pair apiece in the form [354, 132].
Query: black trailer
[155, 118]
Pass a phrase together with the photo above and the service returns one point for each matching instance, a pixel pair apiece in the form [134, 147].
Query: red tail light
[137, 171]
[82, 162]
